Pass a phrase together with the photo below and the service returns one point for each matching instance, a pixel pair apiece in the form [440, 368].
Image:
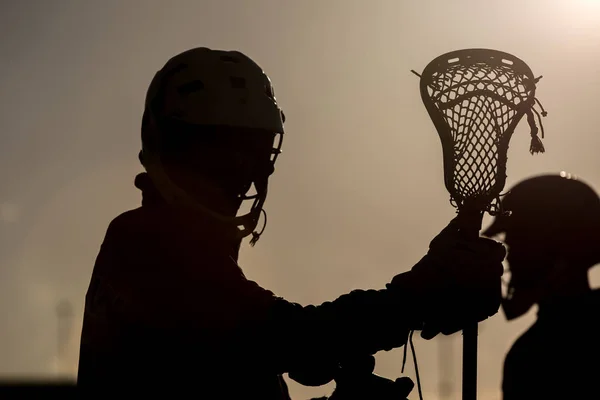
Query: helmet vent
[229, 59]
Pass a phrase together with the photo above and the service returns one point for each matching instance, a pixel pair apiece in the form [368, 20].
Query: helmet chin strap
[261, 186]
[175, 195]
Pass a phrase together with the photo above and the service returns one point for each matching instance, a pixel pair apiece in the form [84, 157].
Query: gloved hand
[457, 283]
[318, 374]
[356, 381]
[374, 387]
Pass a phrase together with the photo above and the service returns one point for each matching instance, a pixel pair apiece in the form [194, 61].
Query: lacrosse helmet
[203, 95]
[548, 218]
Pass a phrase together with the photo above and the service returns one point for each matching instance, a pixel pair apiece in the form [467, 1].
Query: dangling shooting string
[414, 354]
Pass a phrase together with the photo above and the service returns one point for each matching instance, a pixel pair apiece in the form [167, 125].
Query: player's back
[165, 308]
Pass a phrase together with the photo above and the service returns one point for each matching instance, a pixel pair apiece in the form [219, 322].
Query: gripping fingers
[429, 332]
[403, 386]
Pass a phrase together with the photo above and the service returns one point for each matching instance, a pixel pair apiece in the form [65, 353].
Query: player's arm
[212, 299]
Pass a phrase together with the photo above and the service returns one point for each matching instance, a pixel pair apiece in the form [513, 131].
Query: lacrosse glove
[457, 283]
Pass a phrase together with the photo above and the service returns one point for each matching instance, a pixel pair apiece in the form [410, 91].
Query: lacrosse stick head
[476, 98]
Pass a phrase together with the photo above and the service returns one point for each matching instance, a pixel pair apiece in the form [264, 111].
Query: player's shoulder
[127, 217]
[127, 221]
[159, 225]
[141, 225]
[141, 219]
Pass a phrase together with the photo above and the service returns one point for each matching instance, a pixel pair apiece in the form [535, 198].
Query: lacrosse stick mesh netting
[476, 98]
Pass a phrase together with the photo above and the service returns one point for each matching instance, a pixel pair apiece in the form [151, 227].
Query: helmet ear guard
[204, 87]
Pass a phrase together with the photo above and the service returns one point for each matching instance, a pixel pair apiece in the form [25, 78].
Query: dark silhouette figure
[553, 238]
[168, 307]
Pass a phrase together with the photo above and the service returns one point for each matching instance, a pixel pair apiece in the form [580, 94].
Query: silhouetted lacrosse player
[168, 307]
[553, 239]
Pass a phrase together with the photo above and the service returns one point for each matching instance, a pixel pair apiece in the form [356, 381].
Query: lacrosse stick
[476, 98]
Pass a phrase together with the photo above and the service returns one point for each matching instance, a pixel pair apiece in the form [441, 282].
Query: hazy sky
[361, 166]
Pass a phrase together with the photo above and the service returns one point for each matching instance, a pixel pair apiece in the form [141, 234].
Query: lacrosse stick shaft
[469, 378]
[470, 219]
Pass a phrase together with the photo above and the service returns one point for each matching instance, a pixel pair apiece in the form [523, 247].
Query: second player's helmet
[205, 92]
[552, 218]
